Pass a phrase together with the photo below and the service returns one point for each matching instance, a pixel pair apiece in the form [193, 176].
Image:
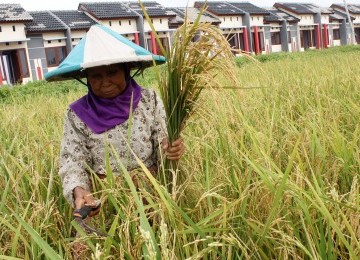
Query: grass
[270, 172]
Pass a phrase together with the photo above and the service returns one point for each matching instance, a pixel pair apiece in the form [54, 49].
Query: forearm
[72, 180]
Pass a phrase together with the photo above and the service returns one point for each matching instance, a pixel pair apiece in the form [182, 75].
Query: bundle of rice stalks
[198, 55]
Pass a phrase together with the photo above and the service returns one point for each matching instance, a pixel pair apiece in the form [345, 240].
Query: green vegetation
[271, 171]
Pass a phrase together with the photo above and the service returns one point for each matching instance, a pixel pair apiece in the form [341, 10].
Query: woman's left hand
[173, 151]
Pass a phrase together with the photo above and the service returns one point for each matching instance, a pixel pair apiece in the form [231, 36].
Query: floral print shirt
[83, 151]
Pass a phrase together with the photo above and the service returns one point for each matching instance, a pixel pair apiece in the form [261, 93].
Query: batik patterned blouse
[83, 151]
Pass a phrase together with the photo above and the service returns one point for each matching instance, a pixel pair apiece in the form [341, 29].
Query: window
[55, 55]
[59, 40]
[14, 29]
[109, 23]
[0, 29]
[120, 23]
[275, 38]
[230, 19]
[336, 34]
[49, 41]
[129, 22]
[160, 20]
[224, 19]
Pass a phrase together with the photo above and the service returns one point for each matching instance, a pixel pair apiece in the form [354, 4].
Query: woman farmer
[100, 119]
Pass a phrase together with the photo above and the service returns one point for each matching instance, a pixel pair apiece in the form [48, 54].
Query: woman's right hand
[83, 197]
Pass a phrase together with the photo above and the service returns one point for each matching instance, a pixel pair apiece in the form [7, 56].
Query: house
[234, 23]
[117, 16]
[191, 14]
[47, 42]
[354, 11]
[159, 17]
[283, 30]
[313, 25]
[260, 34]
[77, 21]
[14, 57]
[52, 35]
[242, 23]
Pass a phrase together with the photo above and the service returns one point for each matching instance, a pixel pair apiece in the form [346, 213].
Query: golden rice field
[271, 171]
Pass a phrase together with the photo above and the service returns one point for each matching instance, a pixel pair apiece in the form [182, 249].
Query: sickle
[80, 214]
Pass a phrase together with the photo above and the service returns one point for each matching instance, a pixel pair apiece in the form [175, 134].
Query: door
[357, 35]
[7, 68]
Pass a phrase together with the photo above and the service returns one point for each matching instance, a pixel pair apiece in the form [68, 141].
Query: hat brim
[102, 46]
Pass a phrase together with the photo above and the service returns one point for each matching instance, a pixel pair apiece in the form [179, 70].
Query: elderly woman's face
[107, 81]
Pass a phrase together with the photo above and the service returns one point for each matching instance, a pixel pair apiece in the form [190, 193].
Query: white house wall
[13, 46]
[7, 29]
[160, 34]
[76, 36]
[325, 19]
[256, 20]
[274, 25]
[54, 39]
[306, 19]
[231, 21]
[160, 24]
[127, 25]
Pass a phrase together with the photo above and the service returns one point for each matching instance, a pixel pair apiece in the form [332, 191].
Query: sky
[37, 5]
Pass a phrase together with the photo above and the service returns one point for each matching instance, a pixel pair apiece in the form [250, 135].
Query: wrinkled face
[107, 81]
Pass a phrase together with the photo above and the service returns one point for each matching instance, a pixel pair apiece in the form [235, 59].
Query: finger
[176, 149]
[177, 142]
[79, 203]
[164, 144]
[175, 155]
[89, 200]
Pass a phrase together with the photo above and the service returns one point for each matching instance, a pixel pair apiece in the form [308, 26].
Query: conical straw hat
[102, 46]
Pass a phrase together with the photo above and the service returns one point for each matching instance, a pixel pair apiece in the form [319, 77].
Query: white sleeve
[75, 158]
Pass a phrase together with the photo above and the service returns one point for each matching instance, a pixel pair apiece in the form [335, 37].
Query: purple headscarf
[102, 114]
